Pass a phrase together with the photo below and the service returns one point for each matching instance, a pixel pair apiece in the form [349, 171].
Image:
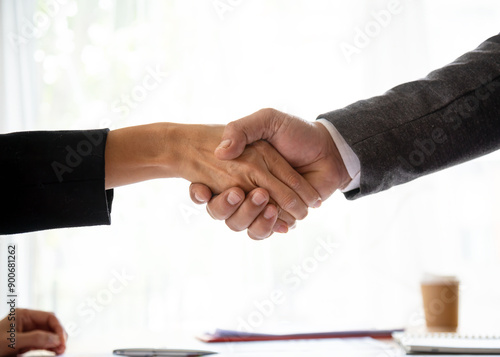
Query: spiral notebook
[448, 343]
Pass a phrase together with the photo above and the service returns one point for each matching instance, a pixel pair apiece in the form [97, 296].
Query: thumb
[37, 340]
[240, 133]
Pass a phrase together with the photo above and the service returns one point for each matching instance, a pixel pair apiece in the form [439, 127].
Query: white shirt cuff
[351, 160]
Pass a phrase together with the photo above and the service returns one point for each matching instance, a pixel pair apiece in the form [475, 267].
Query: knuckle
[271, 112]
[210, 212]
[291, 204]
[252, 177]
[232, 167]
[231, 125]
[294, 182]
[280, 210]
[267, 110]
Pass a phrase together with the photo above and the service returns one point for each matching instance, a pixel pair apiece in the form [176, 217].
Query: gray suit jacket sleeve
[444, 119]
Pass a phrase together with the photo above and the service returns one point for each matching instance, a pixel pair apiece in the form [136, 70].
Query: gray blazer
[449, 117]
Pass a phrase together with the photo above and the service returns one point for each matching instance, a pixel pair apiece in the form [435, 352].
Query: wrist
[185, 150]
[169, 148]
[139, 153]
[344, 176]
[335, 158]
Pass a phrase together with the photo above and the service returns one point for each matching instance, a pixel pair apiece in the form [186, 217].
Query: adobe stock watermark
[38, 25]
[222, 7]
[424, 148]
[127, 102]
[440, 306]
[455, 115]
[364, 35]
[188, 212]
[93, 305]
[292, 279]
[74, 155]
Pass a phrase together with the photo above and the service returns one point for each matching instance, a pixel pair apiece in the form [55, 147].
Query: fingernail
[224, 144]
[269, 213]
[258, 198]
[233, 198]
[198, 198]
[317, 204]
[293, 227]
[54, 340]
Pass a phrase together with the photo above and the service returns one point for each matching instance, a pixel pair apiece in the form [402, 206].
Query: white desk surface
[338, 347]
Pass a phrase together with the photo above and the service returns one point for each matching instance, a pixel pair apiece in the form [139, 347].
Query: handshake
[259, 173]
[291, 164]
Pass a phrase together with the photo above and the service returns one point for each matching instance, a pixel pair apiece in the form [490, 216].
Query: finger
[59, 350]
[45, 321]
[237, 134]
[285, 197]
[249, 210]
[199, 193]
[284, 223]
[226, 204]
[282, 170]
[279, 227]
[37, 339]
[286, 218]
[262, 226]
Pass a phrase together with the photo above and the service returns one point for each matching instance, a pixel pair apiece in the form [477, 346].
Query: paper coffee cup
[440, 298]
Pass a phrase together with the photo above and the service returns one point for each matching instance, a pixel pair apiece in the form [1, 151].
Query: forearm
[161, 150]
[141, 153]
[420, 127]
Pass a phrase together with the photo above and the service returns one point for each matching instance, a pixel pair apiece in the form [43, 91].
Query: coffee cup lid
[430, 278]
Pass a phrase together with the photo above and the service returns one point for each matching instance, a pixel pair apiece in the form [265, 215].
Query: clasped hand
[297, 156]
[259, 170]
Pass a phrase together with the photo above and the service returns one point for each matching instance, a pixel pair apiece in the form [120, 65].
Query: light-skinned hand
[34, 330]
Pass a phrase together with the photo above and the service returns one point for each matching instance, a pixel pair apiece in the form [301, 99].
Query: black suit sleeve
[53, 179]
[449, 117]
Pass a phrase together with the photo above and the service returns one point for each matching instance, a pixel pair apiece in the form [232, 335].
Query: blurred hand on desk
[28, 330]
